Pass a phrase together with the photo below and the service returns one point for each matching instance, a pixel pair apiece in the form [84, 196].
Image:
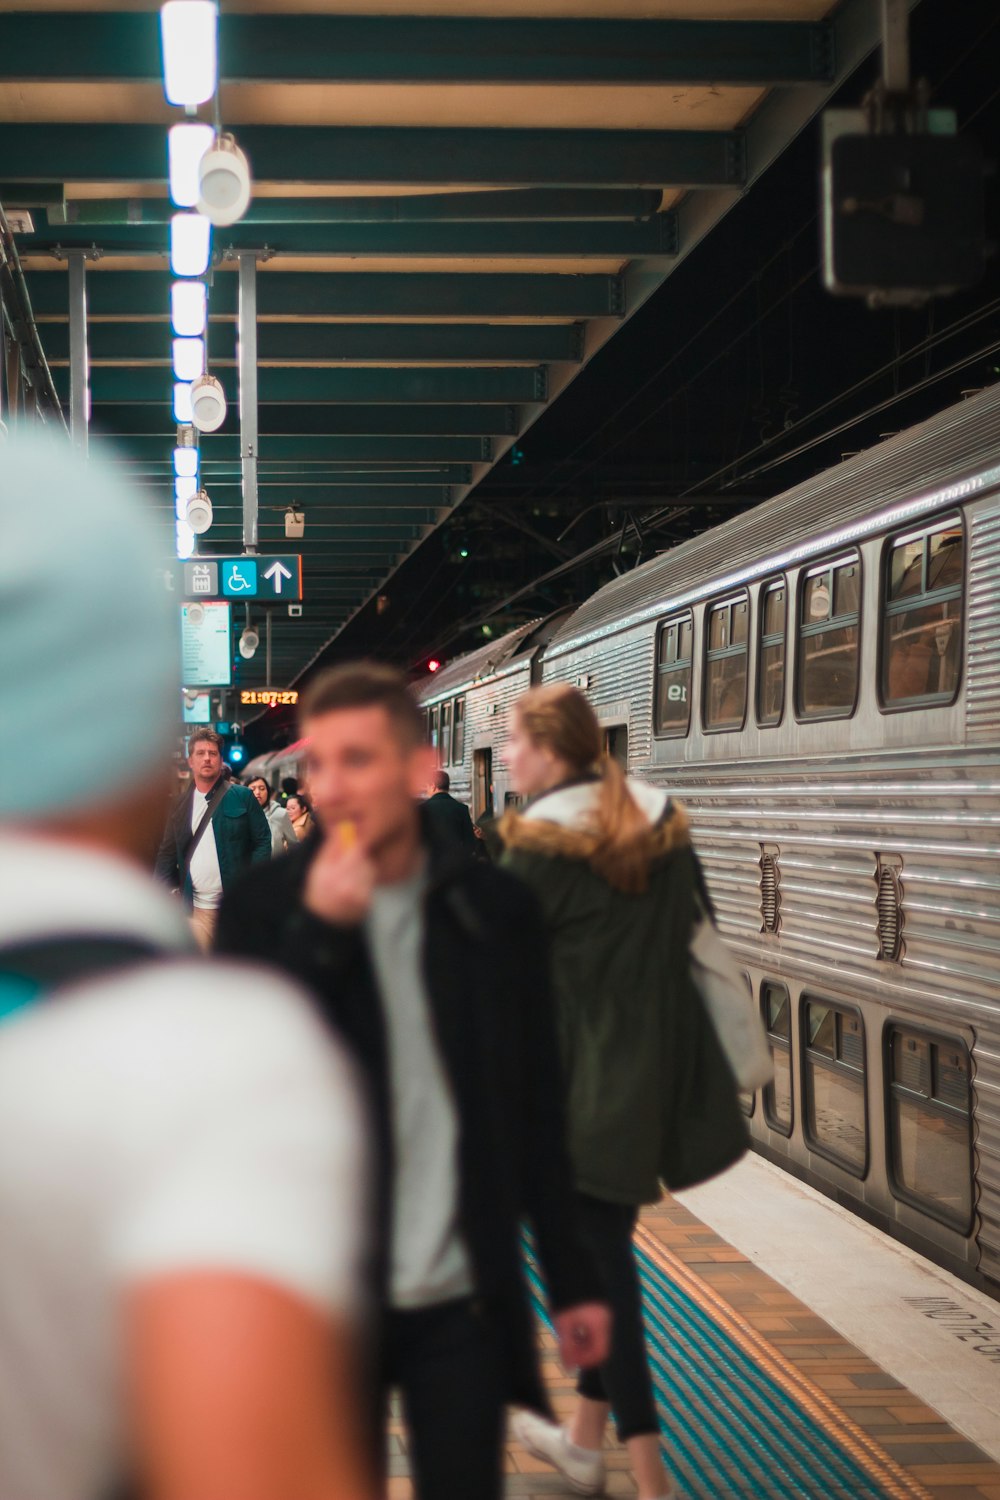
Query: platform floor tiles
[783, 1369]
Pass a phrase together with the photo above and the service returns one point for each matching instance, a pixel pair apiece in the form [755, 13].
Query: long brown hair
[559, 717]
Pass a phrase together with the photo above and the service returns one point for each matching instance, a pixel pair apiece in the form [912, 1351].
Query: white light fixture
[208, 404]
[188, 30]
[295, 521]
[199, 512]
[189, 358]
[185, 488]
[186, 463]
[190, 244]
[186, 145]
[223, 182]
[188, 308]
[182, 401]
[249, 641]
[185, 540]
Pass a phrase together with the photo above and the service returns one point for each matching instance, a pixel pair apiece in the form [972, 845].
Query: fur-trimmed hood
[561, 822]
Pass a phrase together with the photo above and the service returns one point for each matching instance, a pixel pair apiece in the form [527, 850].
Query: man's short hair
[205, 734]
[366, 684]
[442, 781]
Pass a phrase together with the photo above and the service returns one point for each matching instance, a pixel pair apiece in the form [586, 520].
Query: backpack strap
[28, 971]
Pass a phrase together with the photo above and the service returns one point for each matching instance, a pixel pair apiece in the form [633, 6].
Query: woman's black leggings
[624, 1378]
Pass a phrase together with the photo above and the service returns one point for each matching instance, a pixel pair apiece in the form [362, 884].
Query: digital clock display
[269, 697]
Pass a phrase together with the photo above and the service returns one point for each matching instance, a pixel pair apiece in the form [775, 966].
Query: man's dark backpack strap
[218, 792]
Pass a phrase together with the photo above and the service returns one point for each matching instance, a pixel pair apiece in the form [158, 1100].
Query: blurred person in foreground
[651, 1098]
[432, 966]
[181, 1165]
[450, 818]
[282, 833]
[215, 830]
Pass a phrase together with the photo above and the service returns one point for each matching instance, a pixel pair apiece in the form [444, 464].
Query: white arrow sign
[277, 572]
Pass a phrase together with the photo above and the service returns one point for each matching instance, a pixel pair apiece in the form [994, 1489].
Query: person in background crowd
[300, 815]
[181, 1163]
[450, 817]
[282, 833]
[408, 947]
[213, 833]
[651, 1098]
[289, 788]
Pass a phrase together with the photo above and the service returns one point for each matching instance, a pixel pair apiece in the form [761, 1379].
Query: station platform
[761, 1396]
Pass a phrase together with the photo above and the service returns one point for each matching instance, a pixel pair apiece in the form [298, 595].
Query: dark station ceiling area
[537, 286]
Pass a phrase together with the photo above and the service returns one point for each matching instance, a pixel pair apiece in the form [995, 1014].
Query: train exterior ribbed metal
[868, 842]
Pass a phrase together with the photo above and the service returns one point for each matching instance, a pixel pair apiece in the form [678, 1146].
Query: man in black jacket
[433, 969]
[448, 817]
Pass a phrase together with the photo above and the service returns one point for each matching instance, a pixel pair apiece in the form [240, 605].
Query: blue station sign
[267, 579]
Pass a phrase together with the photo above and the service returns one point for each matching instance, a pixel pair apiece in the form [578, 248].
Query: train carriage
[819, 681]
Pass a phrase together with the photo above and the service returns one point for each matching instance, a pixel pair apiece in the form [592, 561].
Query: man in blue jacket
[214, 833]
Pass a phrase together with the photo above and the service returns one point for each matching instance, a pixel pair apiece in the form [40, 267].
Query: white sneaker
[582, 1468]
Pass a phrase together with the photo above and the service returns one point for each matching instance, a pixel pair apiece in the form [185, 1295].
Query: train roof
[931, 464]
[476, 664]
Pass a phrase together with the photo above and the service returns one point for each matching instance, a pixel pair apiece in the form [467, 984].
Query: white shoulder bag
[737, 1025]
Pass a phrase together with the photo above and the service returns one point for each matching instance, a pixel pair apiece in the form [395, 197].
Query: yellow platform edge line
[821, 1408]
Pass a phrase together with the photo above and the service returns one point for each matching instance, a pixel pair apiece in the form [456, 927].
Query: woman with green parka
[651, 1101]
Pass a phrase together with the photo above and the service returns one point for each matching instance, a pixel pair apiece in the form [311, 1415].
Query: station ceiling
[453, 212]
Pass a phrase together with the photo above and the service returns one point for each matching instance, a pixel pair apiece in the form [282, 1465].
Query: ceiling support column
[79, 394]
[247, 358]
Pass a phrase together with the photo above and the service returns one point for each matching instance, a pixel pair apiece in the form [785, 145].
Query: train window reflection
[922, 617]
[930, 1124]
[777, 1011]
[434, 727]
[829, 639]
[726, 663]
[458, 733]
[833, 1084]
[673, 677]
[444, 746]
[771, 665]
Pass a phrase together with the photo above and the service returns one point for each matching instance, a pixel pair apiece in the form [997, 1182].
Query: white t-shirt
[428, 1261]
[182, 1115]
[206, 877]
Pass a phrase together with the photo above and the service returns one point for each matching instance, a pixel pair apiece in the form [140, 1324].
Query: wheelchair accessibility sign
[239, 578]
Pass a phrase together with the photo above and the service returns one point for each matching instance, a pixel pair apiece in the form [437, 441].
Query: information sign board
[206, 645]
[197, 708]
[269, 697]
[269, 579]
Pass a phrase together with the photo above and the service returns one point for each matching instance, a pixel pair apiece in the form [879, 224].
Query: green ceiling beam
[315, 480]
[323, 449]
[336, 419]
[122, 384]
[354, 538]
[429, 49]
[506, 205]
[565, 237]
[402, 496]
[360, 294]
[333, 342]
[414, 156]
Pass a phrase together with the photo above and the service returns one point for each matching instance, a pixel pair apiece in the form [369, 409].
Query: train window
[777, 1009]
[434, 727]
[458, 733]
[771, 661]
[922, 616]
[444, 744]
[833, 1084]
[829, 639]
[615, 737]
[673, 677]
[930, 1120]
[726, 648]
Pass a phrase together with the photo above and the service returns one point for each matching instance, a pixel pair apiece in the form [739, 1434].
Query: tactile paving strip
[737, 1418]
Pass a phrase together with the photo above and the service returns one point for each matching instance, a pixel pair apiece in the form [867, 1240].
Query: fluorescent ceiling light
[186, 145]
[188, 30]
[188, 308]
[190, 244]
[185, 488]
[189, 358]
[185, 540]
[186, 463]
[182, 402]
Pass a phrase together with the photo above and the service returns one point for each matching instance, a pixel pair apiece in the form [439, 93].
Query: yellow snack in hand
[347, 835]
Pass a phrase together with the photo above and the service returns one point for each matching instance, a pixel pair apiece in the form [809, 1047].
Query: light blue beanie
[89, 642]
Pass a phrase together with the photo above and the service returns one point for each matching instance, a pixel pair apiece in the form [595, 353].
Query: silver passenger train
[818, 680]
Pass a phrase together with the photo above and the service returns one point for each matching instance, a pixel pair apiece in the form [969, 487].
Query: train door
[616, 743]
[482, 784]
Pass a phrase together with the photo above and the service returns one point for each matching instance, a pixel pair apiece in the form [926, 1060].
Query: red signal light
[433, 665]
